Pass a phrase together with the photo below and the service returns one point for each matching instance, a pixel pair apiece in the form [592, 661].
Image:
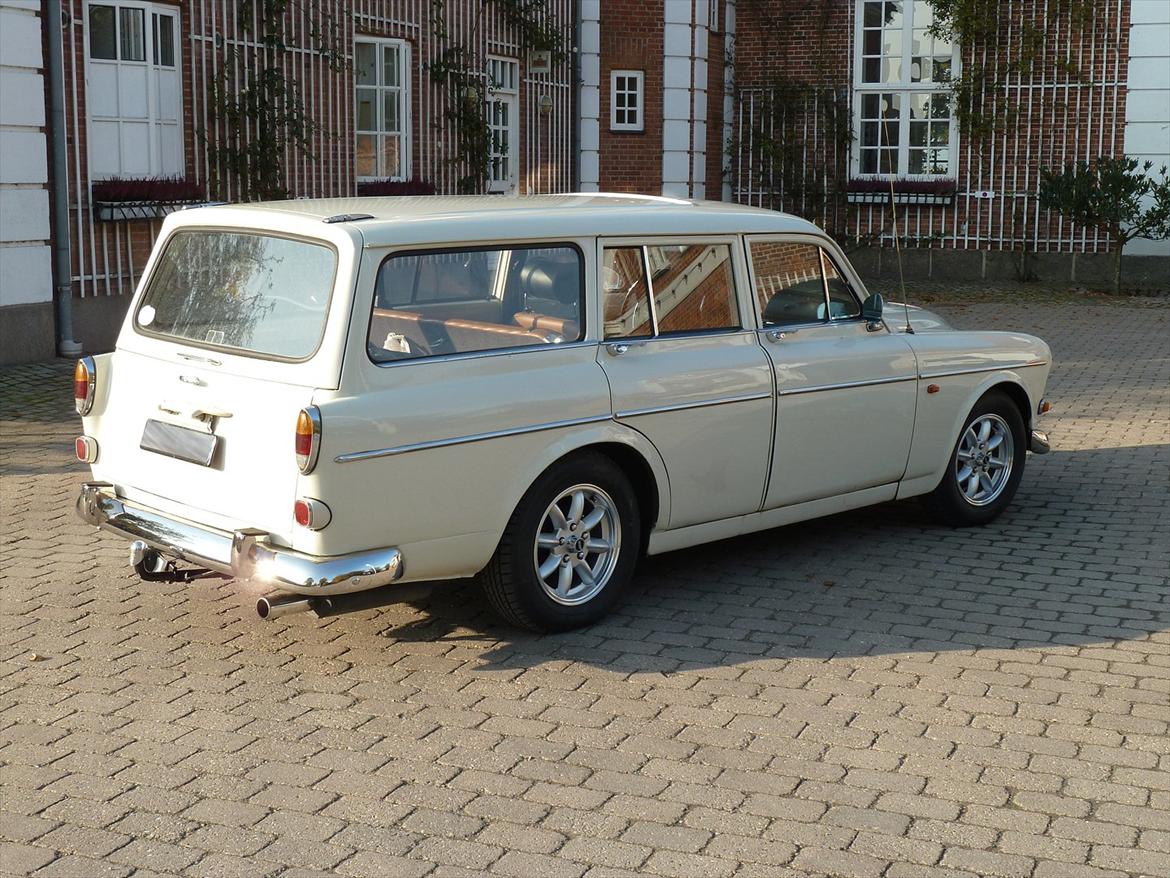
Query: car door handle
[616, 349]
[778, 335]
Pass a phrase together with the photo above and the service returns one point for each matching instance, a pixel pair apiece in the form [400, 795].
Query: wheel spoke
[984, 431]
[985, 481]
[547, 541]
[551, 563]
[600, 546]
[565, 580]
[995, 442]
[593, 519]
[973, 485]
[584, 572]
[576, 506]
[558, 518]
[964, 473]
[965, 454]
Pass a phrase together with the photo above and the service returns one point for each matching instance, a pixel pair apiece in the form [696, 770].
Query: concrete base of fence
[27, 333]
[1094, 270]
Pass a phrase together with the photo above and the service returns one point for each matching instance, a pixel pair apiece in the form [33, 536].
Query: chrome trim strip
[848, 384]
[463, 440]
[493, 352]
[682, 406]
[948, 373]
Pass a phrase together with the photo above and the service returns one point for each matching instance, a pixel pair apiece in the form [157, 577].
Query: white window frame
[503, 89]
[639, 77]
[905, 88]
[404, 111]
[153, 120]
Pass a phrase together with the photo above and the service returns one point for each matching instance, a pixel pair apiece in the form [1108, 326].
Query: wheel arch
[1018, 394]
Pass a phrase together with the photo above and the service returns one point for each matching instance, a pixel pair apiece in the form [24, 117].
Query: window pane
[247, 291]
[390, 120]
[390, 66]
[869, 133]
[873, 13]
[695, 290]
[869, 162]
[789, 286]
[870, 106]
[366, 155]
[918, 134]
[367, 119]
[842, 302]
[430, 304]
[363, 63]
[164, 49]
[132, 22]
[871, 70]
[102, 33]
[627, 304]
[391, 156]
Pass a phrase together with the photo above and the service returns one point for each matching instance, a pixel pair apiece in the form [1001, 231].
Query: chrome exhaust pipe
[274, 607]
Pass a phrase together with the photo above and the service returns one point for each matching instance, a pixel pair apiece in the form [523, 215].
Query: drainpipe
[62, 265]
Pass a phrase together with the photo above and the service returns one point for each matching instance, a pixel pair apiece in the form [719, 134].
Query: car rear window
[244, 291]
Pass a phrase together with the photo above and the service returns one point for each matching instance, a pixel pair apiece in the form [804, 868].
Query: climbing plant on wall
[990, 65]
[459, 69]
[257, 114]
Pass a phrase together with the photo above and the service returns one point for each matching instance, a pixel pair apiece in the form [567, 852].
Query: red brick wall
[631, 39]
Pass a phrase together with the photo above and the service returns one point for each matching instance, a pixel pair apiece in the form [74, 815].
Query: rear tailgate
[252, 478]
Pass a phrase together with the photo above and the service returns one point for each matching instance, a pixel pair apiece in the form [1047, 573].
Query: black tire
[510, 580]
[947, 502]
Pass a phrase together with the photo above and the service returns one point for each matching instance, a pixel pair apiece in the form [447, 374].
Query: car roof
[396, 220]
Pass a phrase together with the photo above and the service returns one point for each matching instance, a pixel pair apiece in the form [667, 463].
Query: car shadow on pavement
[1059, 568]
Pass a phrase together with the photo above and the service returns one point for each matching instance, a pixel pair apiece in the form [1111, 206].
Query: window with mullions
[902, 95]
[383, 109]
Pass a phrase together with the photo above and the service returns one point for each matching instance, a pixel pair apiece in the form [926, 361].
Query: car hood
[921, 320]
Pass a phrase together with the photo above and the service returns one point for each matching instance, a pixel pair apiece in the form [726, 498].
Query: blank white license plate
[183, 443]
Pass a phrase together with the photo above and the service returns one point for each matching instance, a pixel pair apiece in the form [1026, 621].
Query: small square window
[625, 110]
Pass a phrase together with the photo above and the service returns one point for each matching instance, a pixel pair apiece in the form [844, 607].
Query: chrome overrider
[246, 554]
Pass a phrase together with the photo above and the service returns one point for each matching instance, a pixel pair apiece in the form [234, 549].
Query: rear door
[230, 335]
[685, 372]
[846, 395]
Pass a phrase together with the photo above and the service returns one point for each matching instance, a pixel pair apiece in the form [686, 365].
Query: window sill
[117, 211]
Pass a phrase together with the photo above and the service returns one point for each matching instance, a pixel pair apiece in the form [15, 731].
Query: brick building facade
[809, 106]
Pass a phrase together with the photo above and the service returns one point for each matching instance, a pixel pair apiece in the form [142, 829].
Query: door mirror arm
[871, 312]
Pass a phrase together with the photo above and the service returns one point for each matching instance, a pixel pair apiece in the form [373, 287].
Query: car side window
[437, 302]
[691, 289]
[626, 293]
[790, 287]
[843, 303]
[693, 286]
[798, 284]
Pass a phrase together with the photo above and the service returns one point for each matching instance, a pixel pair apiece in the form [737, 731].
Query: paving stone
[983, 702]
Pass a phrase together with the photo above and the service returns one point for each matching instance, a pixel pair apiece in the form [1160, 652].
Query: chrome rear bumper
[245, 554]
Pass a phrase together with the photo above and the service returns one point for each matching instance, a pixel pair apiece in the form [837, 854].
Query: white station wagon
[329, 396]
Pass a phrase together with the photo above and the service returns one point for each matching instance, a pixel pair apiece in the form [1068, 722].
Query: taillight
[311, 514]
[86, 449]
[84, 382]
[308, 440]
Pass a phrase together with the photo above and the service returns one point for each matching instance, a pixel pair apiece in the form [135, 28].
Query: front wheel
[569, 548]
[986, 464]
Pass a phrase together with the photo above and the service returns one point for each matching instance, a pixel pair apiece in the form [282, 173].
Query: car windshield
[240, 290]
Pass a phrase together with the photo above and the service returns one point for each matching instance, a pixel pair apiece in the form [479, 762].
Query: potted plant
[873, 190]
[129, 198]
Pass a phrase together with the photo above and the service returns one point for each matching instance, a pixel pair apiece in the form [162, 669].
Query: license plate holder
[181, 443]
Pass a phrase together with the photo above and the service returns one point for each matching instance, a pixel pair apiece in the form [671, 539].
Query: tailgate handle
[209, 415]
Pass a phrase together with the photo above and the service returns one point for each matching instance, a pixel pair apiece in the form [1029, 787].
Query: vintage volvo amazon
[329, 396]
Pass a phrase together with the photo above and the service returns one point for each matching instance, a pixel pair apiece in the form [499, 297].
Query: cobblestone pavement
[867, 695]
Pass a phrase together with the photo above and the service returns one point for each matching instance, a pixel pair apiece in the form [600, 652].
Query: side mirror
[871, 312]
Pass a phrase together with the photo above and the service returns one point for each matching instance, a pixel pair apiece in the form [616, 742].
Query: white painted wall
[589, 96]
[684, 98]
[26, 275]
[1147, 112]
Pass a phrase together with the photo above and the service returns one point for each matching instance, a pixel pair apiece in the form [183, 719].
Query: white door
[503, 116]
[685, 373]
[846, 395]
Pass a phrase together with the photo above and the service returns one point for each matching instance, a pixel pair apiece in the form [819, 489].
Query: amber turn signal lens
[308, 438]
[84, 382]
[1045, 407]
[933, 388]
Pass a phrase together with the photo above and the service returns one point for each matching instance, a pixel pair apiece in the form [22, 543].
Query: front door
[685, 372]
[846, 395]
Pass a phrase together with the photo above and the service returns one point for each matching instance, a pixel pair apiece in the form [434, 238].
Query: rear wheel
[986, 464]
[569, 548]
